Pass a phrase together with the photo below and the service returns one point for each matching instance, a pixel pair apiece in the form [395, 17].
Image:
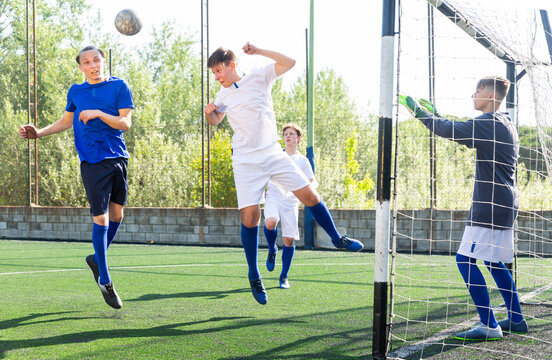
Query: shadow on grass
[163, 331]
[26, 320]
[193, 294]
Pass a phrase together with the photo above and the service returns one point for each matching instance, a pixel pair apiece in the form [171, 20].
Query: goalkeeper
[488, 235]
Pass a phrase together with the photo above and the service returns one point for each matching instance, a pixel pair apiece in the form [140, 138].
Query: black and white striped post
[385, 132]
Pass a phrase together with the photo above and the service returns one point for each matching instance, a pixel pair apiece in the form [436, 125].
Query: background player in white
[283, 205]
[256, 155]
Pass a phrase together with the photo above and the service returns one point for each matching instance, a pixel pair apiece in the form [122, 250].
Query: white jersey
[275, 193]
[248, 104]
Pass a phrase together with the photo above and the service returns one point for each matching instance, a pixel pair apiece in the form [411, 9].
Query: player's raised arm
[283, 62]
[31, 132]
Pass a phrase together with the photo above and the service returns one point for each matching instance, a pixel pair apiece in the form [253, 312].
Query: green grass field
[188, 302]
[181, 302]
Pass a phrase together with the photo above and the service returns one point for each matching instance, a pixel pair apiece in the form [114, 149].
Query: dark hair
[293, 126]
[221, 55]
[89, 47]
[498, 84]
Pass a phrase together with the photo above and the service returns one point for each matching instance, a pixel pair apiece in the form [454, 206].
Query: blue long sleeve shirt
[495, 199]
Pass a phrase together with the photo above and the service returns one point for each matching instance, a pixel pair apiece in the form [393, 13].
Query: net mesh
[433, 188]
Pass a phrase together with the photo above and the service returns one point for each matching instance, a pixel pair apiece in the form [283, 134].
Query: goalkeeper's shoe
[271, 261]
[284, 283]
[510, 326]
[480, 332]
[347, 243]
[110, 295]
[94, 267]
[258, 290]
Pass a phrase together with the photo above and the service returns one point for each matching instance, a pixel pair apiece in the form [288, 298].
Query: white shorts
[488, 244]
[253, 170]
[287, 214]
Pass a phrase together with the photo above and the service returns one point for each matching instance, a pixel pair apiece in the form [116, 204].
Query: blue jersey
[495, 139]
[97, 141]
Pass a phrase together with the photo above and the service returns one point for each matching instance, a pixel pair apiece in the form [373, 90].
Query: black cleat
[271, 261]
[110, 295]
[94, 267]
[258, 290]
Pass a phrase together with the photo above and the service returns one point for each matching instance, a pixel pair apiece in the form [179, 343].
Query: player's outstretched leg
[250, 241]
[271, 236]
[322, 216]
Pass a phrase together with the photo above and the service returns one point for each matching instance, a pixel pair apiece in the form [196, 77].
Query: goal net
[443, 49]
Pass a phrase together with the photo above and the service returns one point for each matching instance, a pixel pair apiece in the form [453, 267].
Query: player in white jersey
[256, 155]
[282, 206]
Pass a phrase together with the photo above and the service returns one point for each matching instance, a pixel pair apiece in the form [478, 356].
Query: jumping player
[284, 205]
[99, 110]
[256, 155]
[488, 235]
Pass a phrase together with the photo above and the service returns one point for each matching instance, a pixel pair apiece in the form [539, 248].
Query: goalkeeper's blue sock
[99, 242]
[250, 242]
[271, 236]
[287, 258]
[322, 216]
[478, 289]
[507, 288]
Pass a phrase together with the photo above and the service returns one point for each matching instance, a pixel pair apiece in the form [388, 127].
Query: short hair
[293, 126]
[221, 56]
[90, 47]
[499, 84]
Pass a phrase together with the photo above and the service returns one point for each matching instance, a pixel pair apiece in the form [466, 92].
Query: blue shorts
[104, 182]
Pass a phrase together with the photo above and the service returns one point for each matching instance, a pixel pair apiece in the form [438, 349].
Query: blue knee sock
[505, 282]
[271, 236]
[111, 232]
[287, 257]
[478, 289]
[99, 241]
[322, 216]
[250, 242]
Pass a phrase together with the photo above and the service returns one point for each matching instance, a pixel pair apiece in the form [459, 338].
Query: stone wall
[206, 226]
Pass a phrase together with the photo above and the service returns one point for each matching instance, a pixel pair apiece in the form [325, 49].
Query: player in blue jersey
[488, 235]
[99, 110]
[256, 155]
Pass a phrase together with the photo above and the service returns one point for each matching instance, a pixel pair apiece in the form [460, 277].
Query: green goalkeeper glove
[428, 105]
[412, 105]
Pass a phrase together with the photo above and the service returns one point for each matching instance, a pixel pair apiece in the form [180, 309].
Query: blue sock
[505, 282]
[287, 257]
[111, 232]
[271, 236]
[478, 289]
[250, 242]
[99, 241]
[322, 216]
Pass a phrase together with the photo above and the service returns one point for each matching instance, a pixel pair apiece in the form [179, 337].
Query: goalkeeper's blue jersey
[97, 141]
[494, 137]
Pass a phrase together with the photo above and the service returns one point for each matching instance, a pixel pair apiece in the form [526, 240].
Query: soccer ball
[127, 22]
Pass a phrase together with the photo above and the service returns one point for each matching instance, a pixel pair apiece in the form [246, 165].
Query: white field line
[167, 266]
[438, 338]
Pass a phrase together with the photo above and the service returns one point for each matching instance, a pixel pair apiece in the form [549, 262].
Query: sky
[347, 37]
